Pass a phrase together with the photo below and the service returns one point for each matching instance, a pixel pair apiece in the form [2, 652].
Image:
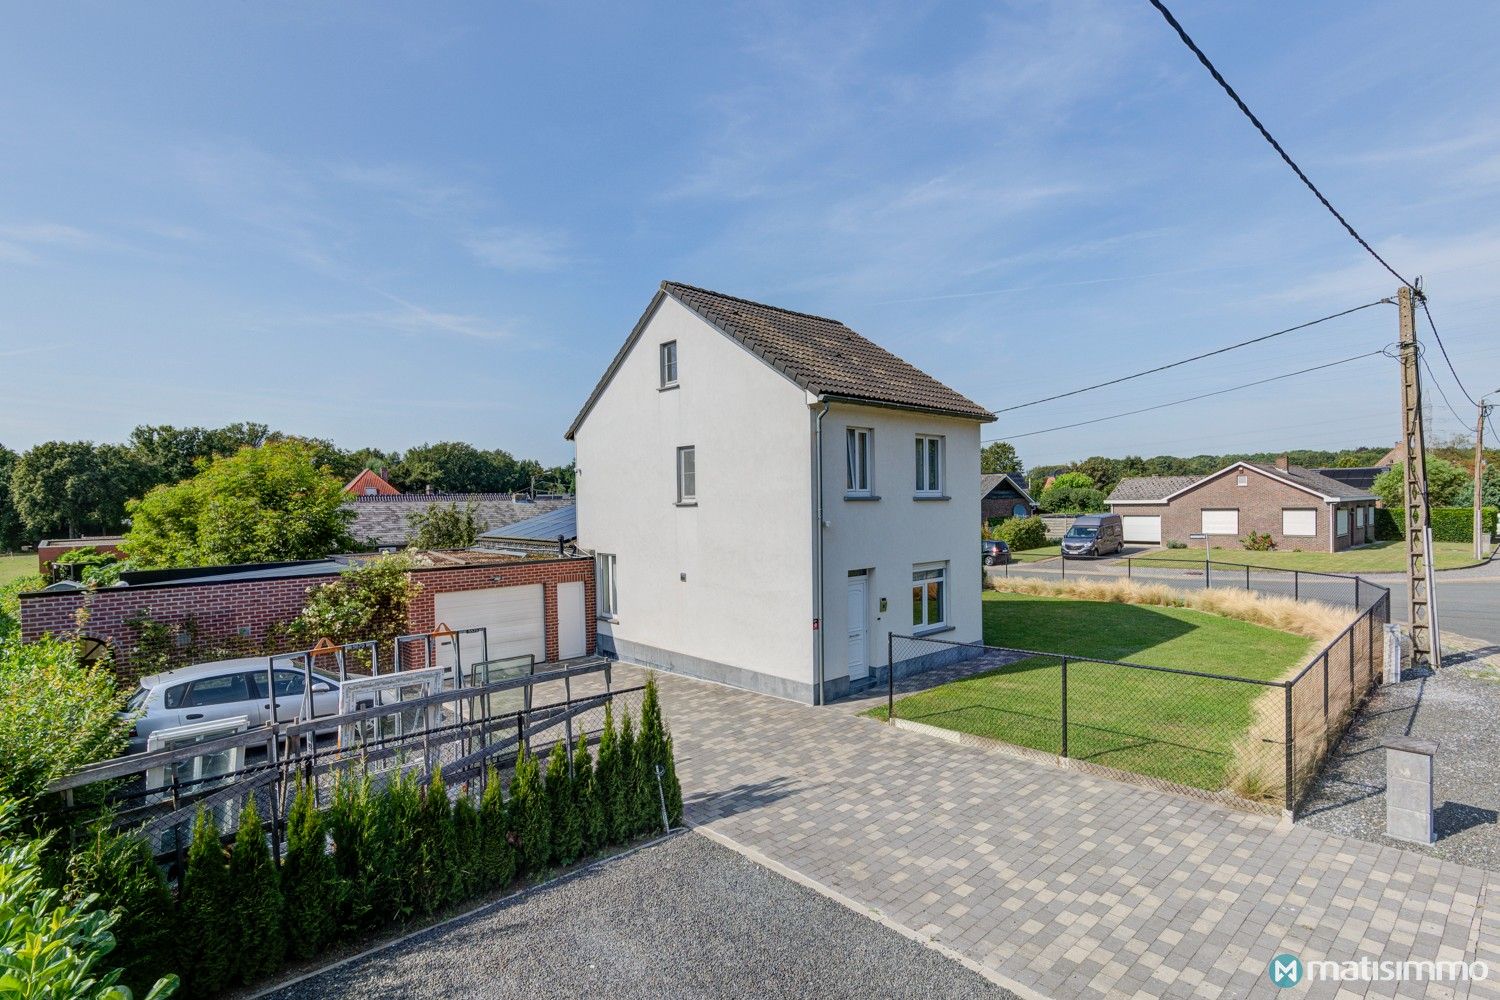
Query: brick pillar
[549, 617]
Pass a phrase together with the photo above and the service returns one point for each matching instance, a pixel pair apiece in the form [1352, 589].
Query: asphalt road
[684, 918]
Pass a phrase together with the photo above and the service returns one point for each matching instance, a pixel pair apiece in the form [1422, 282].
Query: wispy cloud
[26, 243]
[520, 249]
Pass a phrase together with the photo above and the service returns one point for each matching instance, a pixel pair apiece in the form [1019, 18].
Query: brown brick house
[1300, 509]
[1002, 495]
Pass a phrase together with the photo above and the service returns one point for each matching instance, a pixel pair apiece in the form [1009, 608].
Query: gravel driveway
[683, 918]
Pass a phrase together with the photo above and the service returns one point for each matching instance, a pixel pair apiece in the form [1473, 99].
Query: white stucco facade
[724, 586]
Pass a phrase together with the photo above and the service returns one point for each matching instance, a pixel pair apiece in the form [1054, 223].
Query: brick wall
[243, 614]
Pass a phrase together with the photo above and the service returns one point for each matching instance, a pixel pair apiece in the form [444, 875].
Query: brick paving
[1061, 883]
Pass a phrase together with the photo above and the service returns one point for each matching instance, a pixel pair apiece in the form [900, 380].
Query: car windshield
[1077, 531]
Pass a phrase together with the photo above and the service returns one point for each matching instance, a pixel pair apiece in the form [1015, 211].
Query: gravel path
[1457, 707]
[685, 918]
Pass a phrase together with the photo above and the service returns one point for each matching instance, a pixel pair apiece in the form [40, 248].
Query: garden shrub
[445, 526]
[50, 950]
[609, 780]
[348, 821]
[497, 852]
[562, 810]
[369, 600]
[586, 793]
[466, 841]
[1449, 524]
[1023, 532]
[117, 870]
[10, 601]
[256, 887]
[436, 846]
[1258, 541]
[398, 821]
[206, 909]
[309, 882]
[529, 815]
[95, 568]
[632, 797]
[658, 743]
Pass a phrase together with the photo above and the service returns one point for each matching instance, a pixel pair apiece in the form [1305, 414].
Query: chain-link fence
[1259, 742]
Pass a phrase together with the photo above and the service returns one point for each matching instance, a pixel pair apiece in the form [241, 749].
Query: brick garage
[242, 615]
[1266, 499]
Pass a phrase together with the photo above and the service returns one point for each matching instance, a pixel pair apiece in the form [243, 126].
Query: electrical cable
[1437, 385]
[1436, 336]
[1189, 399]
[1196, 357]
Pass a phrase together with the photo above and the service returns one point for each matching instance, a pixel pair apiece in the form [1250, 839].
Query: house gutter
[818, 553]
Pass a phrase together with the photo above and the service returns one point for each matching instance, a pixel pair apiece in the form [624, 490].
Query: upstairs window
[857, 463]
[604, 579]
[929, 465]
[687, 475]
[669, 364]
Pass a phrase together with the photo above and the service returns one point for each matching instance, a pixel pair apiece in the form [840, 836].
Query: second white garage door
[1142, 528]
[512, 616]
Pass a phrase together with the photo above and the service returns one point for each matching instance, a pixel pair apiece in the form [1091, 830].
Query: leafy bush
[567, 829]
[95, 568]
[206, 908]
[1023, 533]
[368, 601]
[309, 883]
[445, 526]
[1449, 524]
[1448, 485]
[256, 885]
[1258, 541]
[1175, 544]
[56, 715]
[48, 950]
[437, 879]
[10, 601]
[497, 851]
[529, 816]
[1072, 481]
[118, 871]
[1072, 500]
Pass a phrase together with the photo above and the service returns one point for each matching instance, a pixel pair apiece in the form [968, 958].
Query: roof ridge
[752, 302]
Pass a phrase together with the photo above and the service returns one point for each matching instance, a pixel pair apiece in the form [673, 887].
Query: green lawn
[1049, 551]
[1166, 725]
[1377, 557]
[12, 567]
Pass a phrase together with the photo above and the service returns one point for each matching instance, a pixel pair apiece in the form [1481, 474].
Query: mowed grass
[1377, 557]
[1166, 725]
[1049, 551]
[14, 567]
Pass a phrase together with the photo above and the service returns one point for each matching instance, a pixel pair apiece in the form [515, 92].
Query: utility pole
[1484, 411]
[1421, 601]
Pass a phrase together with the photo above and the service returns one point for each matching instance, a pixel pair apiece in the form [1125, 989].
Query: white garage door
[1221, 522]
[1142, 528]
[512, 616]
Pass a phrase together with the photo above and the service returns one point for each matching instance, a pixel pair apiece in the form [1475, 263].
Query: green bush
[399, 820]
[118, 871]
[1449, 524]
[466, 849]
[1023, 533]
[445, 526]
[369, 600]
[497, 852]
[10, 601]
[1448, 485]
[256, 885]
[309, 883]
[529, 816]
[609, 781]
[206, 910]
[436, 846]
[586, 794]
[636, 810]
[658, 745]
[1258, 541]
[49, 950]
[562, 810]
[349, 820]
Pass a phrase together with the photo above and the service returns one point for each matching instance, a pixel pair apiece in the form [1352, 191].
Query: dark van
[1094, 535]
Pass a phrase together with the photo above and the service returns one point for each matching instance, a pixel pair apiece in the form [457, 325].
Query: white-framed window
[857, 447]
[1225, 521]
[687, 474]
[1299, 522]
[604, 584]
[1242, 480]
[929, 596]
[1359, 515]
[668, 352]
[1343, 520]
[929, 465]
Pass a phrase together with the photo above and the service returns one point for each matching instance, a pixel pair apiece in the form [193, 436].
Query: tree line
[73, 488]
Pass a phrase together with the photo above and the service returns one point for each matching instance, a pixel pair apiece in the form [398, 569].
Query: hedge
[1449, 524]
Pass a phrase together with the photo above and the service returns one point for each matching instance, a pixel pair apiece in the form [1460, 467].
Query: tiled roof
[1316, 481]
[821, 355]
[989, 481]
[1147, 488]
[383, 519]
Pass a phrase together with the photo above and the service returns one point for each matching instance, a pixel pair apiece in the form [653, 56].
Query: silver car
[225, 689]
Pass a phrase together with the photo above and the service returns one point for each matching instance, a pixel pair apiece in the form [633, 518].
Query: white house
[769, 495]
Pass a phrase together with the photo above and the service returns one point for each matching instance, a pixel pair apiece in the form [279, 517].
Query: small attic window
[1242, 480]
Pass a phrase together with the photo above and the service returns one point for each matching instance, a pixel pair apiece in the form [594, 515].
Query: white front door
[572, 633]
[859, 644]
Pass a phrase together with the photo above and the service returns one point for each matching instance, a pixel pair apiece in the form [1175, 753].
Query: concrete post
[1408, 788]
[1393, 642]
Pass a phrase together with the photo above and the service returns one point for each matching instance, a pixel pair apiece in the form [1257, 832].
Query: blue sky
[390, 224]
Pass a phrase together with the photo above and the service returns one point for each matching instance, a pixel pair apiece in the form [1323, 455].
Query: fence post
[1063, 560]
[1290, 768]
[1208, 574]
[1247, 576]
[1064, 706]
[1296, 585]
[890, 674]
[1356, 593]
[1325, 686]
[1351, 667]
[1127, 568]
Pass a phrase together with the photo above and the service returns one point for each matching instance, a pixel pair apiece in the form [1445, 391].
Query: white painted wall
[890, 535]
[746, 548]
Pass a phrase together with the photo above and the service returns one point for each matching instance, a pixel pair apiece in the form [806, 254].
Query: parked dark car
[995, 553]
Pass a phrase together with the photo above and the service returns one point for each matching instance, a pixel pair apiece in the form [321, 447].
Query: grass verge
[1377, 557]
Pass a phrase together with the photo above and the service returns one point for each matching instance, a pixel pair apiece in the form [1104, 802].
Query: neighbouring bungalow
[1002, 495]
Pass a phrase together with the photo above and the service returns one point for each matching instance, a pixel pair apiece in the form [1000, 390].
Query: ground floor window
[609, 597]
[1299, 522]
[929, 596]
[1343, 521]
[1221, 522]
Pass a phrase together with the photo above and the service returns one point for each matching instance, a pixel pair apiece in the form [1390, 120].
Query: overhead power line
[1436, 336]
[1196, 357]
[1439, 386]
[1189, 399]
[1266, 133]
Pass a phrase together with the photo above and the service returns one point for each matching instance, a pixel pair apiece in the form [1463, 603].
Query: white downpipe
[818, 557]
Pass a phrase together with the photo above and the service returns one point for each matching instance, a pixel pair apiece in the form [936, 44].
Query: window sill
[686, 503]
[930, 496]
[667, 388]
[612, 619]
[932, 630]
[859, 497]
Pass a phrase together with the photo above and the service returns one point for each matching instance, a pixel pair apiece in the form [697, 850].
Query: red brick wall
[223, 610]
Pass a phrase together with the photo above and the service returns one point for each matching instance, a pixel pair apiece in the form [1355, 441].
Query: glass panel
[919, 465]
[218, 691]
[934, 456]
[174, 695]
[916, 605]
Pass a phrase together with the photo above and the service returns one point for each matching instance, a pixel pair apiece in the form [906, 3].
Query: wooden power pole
[1484, 411]
[1421, 601]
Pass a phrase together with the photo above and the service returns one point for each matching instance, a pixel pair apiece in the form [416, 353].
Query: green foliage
[1069, 500]
[95, 568]
[74, 488]
[497, 852]
[56, 715]
[1258, 541]
[445, 526]
[1175, 544]
[206, 909]
[399, 813]
[369, 600]
[456, 467]
[1448, 485]
[10, 602]
[437, 848]
[624, 814]
[1072, 481]
[172, 454]
[657, 743]
[260, 505]
[586, 794]
[1000, 456]
[562, 811]
[609, 780]
[360, 846]
[118, 872]
[467, 840]
[50, 950]
[256, 885]
[309, 883]
[13, 532]
[1022, 532]
[530, 818]
[641, 808]
[1449, 524]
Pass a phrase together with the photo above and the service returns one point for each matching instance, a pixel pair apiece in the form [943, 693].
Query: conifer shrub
[119, 871]
[256, 885]
[658, 745]
[608, 778]
[586, 796]
[626, 812]
[437, 880]
[309, 883]
[529, 815]
[567, 831]
[496, 850]
[466, 838]
[206, 913]
[399, 821]
[644, 808]
[348, 822]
